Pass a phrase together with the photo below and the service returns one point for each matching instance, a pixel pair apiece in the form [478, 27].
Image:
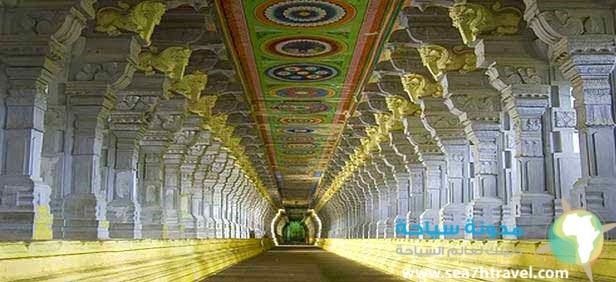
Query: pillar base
[197, 229]
[155, 231]
[534, 213]
[453, 214]
[81, 218]
[597, 195]
[484, 211]
[432, 216]
[411, 219]
[25, 212]
[384, 228]
[124, 219]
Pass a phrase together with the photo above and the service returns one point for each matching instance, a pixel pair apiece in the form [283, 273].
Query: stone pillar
[564, 160]
[172, 160]
[164, 124]
[198, 203]
[417, 203]
[534, 208]
[583, 46]
[32, 63]
[459, 184]
[486, 207]
[190, 197]
[589, 73]
[217, 199]
[55, 158]
[403, 190]
[85, 204]
[231, 174]
[127, 125]
[436, 174]
[24, 206]
[151, 192]
[228, 192]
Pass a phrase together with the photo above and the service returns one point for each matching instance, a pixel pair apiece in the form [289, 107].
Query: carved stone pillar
[403, 189]
[217, 199]
[417, 202]
[564, 161]
[127, 125]
[165, 122]
[589, 74]
[186, 181]
[85, 205]
[151, 192]
[459, 184]
[190, 201]
[534, 209]
[172, 160]
[24, 209]
[228, 192]
[479, 110]
[34, 45]
[582, 42]
[420, 133]
[55, 160]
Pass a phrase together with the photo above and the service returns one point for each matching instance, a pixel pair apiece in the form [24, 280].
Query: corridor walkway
[300, 264]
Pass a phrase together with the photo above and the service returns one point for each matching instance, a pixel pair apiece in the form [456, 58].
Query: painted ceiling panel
[302, 62]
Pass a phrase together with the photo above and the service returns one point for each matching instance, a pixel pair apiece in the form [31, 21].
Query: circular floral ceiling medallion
[303, 92]
[305, 13]
[302, 72]
[301, 107]
[303, 46]
[300, 120]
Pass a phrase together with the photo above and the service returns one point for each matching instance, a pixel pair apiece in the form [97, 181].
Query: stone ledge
[381, 254]
[138, 260]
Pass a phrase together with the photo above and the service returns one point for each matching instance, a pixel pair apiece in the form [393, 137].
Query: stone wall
[136, 260]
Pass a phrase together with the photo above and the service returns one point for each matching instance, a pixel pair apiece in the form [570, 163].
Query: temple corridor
[307, 140]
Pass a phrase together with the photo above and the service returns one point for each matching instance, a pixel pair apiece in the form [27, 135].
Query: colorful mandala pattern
[300, 120]
[294, 107]
[302, 72]
[303, 92]
[303, 46]
[305, 13]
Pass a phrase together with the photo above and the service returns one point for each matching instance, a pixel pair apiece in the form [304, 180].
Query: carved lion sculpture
[418, 86]
[473, 19]
[141, 19]
[171, 61]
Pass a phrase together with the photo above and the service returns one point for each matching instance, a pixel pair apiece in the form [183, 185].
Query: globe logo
[576, 237]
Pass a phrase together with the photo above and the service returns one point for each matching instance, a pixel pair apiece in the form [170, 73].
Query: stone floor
[300, 264]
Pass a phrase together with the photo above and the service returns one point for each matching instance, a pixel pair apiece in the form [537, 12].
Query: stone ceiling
[302, 64]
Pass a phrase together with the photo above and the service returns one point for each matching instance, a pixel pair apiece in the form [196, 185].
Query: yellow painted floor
[300, 264]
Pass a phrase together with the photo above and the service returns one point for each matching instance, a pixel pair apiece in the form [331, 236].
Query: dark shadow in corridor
[300, 264]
